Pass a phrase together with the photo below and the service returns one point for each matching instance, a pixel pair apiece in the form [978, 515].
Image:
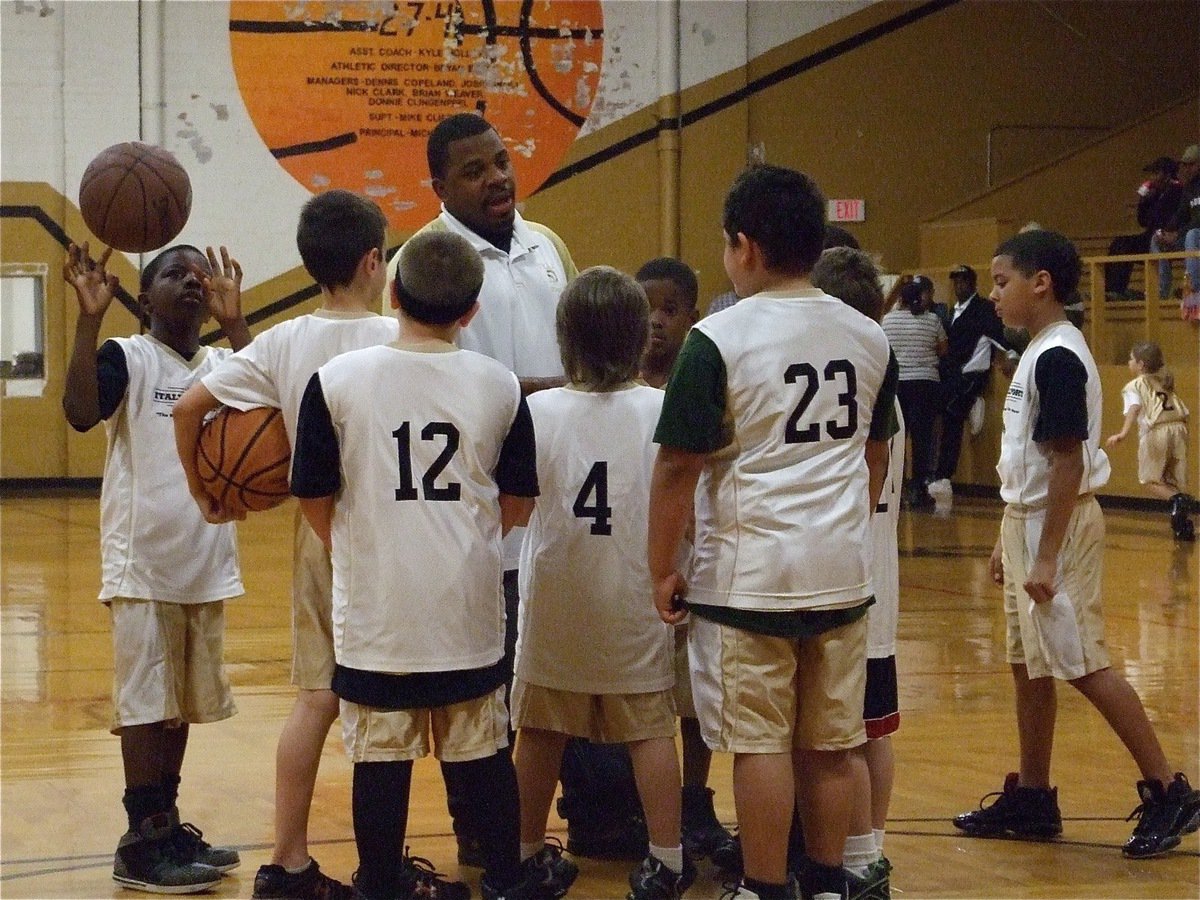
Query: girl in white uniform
[593, 659]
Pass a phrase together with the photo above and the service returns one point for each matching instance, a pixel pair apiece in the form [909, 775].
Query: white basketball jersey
[1024, 469]
[882, 619]
[518, 300]
[416, 525]
[782, 512]
[154, 544]
[588, 622]
[517, 307]
[275, 368]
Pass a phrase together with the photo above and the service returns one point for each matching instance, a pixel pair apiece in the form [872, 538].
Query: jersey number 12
[429, 488]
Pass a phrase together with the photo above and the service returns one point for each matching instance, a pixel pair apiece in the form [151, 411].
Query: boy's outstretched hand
[94, 285]
[224, 287]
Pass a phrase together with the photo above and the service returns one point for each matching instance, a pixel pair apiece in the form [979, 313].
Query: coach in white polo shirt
[525, 268]
[526, 265]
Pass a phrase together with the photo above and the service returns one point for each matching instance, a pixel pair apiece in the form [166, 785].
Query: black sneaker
[550, 870]
[654, 881]
[875, 885]
[1164, 816]
[189, 842]
[1017, 811]
[419, 878]
[146, 860]
[277, 883]
[470, 851]
[1181, 524]
[528, 888]
[625, 839]
[704, 837]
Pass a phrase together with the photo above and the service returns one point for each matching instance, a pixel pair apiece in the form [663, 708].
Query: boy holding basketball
[165, 571]
[782, 405]
[340, 237]
[411, 461]
[1047, 557]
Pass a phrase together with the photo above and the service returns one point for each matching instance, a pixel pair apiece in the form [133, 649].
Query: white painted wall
[71, 84]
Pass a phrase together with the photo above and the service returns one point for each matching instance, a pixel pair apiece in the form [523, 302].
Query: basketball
[244, 458]
[135, 197]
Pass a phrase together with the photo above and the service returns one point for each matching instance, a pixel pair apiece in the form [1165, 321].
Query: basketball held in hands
[244, 459]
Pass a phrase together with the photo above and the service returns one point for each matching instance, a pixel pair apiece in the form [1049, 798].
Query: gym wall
[887, 102]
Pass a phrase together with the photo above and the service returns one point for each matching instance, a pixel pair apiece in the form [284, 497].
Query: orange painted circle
[345, 93]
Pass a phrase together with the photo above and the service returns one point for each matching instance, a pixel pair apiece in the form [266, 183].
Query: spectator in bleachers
[1185, 224]
[1158, 198]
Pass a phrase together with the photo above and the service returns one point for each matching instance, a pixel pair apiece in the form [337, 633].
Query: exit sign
[847, 210]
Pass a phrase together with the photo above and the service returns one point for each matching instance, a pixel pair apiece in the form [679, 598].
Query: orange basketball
[135, 197]
[244, 458]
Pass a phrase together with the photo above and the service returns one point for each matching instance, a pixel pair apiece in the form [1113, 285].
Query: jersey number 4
[806, 374]
[429, 487]
[596, 484]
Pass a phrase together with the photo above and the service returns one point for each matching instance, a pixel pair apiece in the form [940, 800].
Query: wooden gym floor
[60, 771]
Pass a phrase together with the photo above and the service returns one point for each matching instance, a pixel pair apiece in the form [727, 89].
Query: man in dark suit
[974, 331]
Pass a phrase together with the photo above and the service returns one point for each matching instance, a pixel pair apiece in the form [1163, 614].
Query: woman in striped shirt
[918, 339]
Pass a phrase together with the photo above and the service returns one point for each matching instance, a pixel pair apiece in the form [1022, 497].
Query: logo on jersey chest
[1014, 400]
[163, 399]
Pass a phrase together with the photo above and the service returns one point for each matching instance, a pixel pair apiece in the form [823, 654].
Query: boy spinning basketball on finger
[166, 571]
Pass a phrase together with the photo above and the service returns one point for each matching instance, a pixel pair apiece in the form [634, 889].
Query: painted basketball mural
[345, 93]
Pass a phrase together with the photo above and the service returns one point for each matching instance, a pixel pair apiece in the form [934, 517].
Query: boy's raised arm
[224, 290]
[95, 288]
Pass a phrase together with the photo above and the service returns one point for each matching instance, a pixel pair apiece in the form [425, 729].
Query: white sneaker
[976, 415]
[940, 489]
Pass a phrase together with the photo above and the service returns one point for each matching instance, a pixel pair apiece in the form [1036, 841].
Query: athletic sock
[299, 869]
[671, 857]
[171, 790]
[494, 815]
[878, 833]
[859, 852]
[143, 802]
[379, 799]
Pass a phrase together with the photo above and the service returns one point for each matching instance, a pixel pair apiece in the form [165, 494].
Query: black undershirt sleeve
[1061, 381]
[316, 458]
[883, 415]
[112, 374]
[516, 470]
